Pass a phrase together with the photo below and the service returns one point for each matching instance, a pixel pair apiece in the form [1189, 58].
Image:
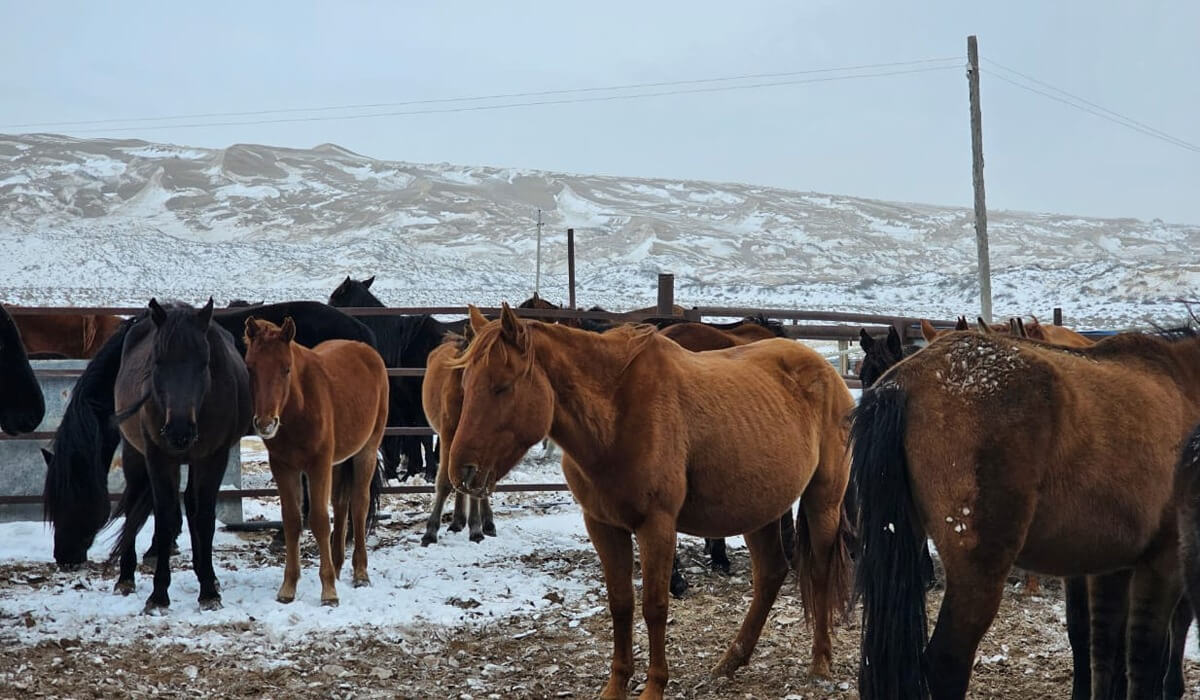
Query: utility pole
[537, 282]
[571, 266]
[981, 238]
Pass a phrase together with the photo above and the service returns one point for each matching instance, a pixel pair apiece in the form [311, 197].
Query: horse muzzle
[266, 429]
[180, 435]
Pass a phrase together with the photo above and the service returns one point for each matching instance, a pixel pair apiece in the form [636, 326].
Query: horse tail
[75, 493]
[343, 488]
[837, 581]
[136, 505]
[889, 577]
[1187, 494]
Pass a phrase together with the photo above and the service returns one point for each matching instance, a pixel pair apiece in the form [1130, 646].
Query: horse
[1057, 335]
[701, 337]
[22, 406]
[72, 336]
[241, 303]
[930, 333]
[75, 495]
[441, 398]
[314, 409]
[182, 395]
[1112, 415]
[880, 355]
[651, 437]
[403, 341]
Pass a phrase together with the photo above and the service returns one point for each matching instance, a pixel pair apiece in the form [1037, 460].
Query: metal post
[666, 294]
[1058, 315]
[981, 239]
[571, 266]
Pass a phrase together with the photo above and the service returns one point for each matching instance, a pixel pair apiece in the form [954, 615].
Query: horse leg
[137, 485]
[441, 491]
[343, 479]
[656, 546]
[360, 505]
[164, 482]
[787, 534]
[475, 521]
[1153, 596]
[1075, 591]
[489, 520]
[1173, 687]
[615, 549]
[968, 608]
[821, 558]
[318, 521]
[679, 584]
[287, 480]
[769, 569]
[1108, 596]
[150, 558]
[717, 556]
[459, 519]
[431, 463]
[204, 481]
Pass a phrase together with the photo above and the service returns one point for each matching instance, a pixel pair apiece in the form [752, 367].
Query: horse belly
[737, 495]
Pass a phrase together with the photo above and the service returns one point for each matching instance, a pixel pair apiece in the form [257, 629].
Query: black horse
[75, 495]
[182, 395]
[403, 341]
[22, 406]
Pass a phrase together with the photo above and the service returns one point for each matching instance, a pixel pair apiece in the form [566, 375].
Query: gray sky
[902, 137]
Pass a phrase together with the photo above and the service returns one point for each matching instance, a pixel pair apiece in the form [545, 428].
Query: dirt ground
[551, 653]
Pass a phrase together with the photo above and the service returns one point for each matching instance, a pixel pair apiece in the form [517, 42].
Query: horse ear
[369, 281]
[251, 328]
[865, 341]
[157, 313]
[205, 315]
[510, 326]
[928, 331]
[962, 324]
[477, 321]
[287, 332]
[893, 342]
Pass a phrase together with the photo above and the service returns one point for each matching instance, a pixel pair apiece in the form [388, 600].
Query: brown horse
[1113, 416]
[313, 409]
[651, 437]
[67, 336]
[1057, 335]
[929, 332]
[442, 397]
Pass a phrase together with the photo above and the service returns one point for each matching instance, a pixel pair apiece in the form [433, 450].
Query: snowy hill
[108, 222]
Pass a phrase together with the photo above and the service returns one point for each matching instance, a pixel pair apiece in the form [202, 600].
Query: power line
[511, 95]
[1093, 109]
[481, 108]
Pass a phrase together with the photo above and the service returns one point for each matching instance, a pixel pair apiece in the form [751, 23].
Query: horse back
[441, 390]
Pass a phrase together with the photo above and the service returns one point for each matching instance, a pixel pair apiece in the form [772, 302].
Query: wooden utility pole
[981, 238]
[571, 266]
[537, 282]
[666, 294]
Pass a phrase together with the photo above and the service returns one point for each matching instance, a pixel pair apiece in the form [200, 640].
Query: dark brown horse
[22, 406]
[1113, 416]
[314, 409]
[442, 397]
[68, 336]
[652, 441]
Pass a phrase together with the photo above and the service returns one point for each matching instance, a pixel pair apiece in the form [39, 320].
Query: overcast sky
[900, 137]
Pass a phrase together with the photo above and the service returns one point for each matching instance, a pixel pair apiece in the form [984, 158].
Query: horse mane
[637, 336]
[770, 324]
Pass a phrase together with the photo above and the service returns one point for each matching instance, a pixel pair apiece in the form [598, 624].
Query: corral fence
[840, 327]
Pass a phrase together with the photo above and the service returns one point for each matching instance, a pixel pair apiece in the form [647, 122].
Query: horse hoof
[329, 602]
[730, 663]
[721, 566]
[285, 599]
[820, 669]
[489, 530]
[363, 582]
[70, 566]
[211, 604]
[155, 609]
[476, 536]
[679, 586]
[428, 540]
[454, 527]
[124, 587]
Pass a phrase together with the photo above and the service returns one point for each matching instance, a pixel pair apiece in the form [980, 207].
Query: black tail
[75, 495]
[889, 576]
[136, 505]
[1187, 500]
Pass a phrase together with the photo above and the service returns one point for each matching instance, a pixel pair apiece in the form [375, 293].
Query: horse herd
[1013, 445]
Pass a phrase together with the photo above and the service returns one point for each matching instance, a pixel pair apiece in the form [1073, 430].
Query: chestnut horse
[652, 438]
[67, 336]
[1113, 416]
[442, 397]
[313, 409]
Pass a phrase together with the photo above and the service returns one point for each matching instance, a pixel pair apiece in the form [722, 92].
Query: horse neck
[305, 363]
[584, 370]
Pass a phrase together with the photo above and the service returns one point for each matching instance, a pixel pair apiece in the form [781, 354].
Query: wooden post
[666, 294]
[843, 357]
[1058, 315]
[571, 266]
[981, 239]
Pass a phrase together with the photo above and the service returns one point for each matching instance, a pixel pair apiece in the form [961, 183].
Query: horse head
[179, 370]
[354, 293]
[269, 361]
